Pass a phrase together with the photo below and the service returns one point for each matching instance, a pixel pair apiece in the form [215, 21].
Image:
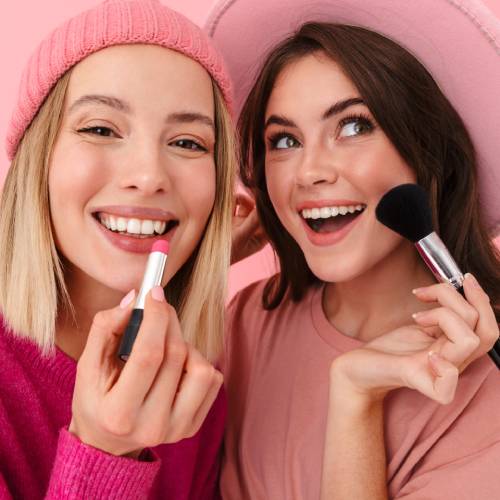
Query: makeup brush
[407, 211]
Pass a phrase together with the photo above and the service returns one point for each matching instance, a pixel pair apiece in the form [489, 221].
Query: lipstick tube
[152, 277]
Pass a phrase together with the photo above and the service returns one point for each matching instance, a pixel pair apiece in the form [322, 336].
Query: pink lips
[131, 243]
[326, 239]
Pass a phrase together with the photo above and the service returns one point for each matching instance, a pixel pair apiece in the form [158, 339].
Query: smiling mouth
[134, 227]
[331, 219]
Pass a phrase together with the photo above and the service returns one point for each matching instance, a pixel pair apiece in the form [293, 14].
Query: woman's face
[327, 165]
[133, 162]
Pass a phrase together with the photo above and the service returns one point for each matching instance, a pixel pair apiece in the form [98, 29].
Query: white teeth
[133, 226]
[121, 224]
[157, 226]
[147, 227]
[326, 212]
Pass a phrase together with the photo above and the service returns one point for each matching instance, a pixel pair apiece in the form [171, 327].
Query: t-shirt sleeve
[472, 477]
[82, 472]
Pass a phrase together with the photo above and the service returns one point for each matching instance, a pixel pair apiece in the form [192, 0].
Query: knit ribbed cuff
[82, 472]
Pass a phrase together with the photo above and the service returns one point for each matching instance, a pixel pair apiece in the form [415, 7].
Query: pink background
[23, 23]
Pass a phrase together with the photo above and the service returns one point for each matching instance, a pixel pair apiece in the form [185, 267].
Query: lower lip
[131, 244]
[327, 239]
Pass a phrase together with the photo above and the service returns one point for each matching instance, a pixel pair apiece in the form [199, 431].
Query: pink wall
[23, 23]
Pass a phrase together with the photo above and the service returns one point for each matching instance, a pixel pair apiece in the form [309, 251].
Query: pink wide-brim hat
[458, 41]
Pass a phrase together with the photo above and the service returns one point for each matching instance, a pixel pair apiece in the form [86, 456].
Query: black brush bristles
[406, 210]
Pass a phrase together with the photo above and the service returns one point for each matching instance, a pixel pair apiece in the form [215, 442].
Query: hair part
[419, 121]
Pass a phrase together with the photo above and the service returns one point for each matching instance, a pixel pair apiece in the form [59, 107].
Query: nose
[145, 169]
[317, 166]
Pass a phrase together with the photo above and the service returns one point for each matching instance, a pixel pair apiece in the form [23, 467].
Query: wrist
[352, 397]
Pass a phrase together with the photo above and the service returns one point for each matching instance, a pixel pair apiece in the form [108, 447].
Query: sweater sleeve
[81, 472]
[473, 476]
[4, 490]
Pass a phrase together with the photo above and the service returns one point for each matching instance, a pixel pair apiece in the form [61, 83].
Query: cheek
[196, 186]
[75, 175]
[279, 185]
[379, 172]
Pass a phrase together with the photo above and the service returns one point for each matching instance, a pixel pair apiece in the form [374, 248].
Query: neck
[88, 297]
[380, 299]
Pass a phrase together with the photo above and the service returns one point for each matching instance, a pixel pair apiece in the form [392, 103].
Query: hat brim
[458, 41]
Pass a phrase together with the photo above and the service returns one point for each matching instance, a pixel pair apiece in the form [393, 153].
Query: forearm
[354, 462]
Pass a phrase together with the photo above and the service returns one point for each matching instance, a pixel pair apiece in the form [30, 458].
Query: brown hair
[416, 117]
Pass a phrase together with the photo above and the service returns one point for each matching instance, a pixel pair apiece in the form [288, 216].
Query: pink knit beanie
[113, 22]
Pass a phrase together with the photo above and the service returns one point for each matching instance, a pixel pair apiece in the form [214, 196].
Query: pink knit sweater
[39, 458]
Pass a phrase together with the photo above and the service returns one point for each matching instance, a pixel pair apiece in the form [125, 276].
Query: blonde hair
[32, 284]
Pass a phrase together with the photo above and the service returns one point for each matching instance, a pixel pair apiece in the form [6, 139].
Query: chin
[340, 269]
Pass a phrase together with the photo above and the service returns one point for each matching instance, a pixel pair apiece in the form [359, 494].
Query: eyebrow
[333, 110]
[112, 102]
[190, 117]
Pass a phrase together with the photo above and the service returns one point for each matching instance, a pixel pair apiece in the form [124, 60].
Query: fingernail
[417, 315]
[416, 290]
[158, 294]
[472, 280]
[127, 299]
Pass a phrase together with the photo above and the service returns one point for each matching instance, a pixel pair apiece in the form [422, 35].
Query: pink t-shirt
[276, 373]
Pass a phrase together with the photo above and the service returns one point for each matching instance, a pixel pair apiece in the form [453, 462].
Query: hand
[248, 237]
[427, 357]
[161, 395]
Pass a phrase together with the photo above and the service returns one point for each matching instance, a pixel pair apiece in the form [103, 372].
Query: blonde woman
[121, 137]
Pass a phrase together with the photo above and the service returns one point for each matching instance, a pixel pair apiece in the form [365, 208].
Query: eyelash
[353, 118]
[275, 138]
[93, 131]
[107, 130]
[357, 118]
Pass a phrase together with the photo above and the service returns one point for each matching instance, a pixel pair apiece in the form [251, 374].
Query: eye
[283, 141]
[352, 126]
[188, 144]
[100, 131]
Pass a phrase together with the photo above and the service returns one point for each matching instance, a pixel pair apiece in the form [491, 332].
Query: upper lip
[136, 212]
[327, 203]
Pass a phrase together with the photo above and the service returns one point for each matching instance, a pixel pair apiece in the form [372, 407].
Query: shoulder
[246, 309]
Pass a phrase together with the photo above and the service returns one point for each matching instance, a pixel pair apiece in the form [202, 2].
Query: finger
[244, 204]
[462, 341]
[209, 400]
[193, 390]
[447, 296]
[433, 376]
[445, 378]
[487, 326]
[105, 334]
[250, 225]
[147, 354]
[164, 389]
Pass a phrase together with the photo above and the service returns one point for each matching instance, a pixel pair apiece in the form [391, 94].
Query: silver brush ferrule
[152, 276]
[438, 259]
